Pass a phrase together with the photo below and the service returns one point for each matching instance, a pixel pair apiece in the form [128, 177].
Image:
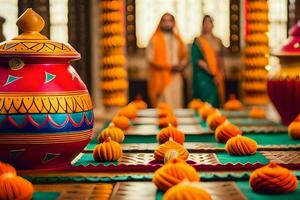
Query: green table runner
[45, 195]
[87, 158]
[279, 138]
[224, 158]
[205, 176]
[242, 185]
[251, 195]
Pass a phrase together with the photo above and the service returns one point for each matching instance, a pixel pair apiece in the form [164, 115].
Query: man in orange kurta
[167, 57]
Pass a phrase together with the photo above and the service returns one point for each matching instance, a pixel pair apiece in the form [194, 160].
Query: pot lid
[292, 47]
[31, 43]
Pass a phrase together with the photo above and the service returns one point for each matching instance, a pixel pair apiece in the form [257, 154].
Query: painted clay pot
[46, 113]
[284, 85]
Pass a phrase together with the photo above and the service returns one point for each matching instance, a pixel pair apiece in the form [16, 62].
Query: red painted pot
[46, 113]
[284, 85]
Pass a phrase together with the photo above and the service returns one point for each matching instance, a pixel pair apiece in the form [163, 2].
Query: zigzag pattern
[45, 104]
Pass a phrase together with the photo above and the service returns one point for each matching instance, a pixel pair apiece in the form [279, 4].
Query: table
[224, 176]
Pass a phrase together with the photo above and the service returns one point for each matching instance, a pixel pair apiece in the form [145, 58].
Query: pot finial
[31, 23]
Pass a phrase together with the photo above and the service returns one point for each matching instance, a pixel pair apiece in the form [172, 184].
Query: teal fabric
[250, 194]
[203, 124]
[152, 138]
[280, 138]
[225, 158]
[203, 86]
[91, 145]
[88, 159]
[45, 195]
[159, 195]
[140, 139]
[232, 176]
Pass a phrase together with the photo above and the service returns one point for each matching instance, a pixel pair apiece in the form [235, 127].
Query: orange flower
[241, 146]
[273, 178]
[172, 173]
[112, 132]
[109, 150]
[226, 131]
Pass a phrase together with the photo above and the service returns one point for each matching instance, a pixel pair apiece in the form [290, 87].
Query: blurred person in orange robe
[167, 58]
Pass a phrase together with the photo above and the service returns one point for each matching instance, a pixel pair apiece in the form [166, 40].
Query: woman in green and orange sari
[208, 72]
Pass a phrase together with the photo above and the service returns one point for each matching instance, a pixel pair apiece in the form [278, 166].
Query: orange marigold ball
[170, 131]
[241, 146]
[233, 104]
[205, 111]
[161, 151]
[273, 178]
[257, 113]
[113, 132]
[187, 191]
[226, 131]
[121, 122]
[195, 104]
[128, 111]
[6, 168]
[164, 113]
[165, 121]
[172, 173]
[139, 103]
[14, 187]
[109, 150]
[214, 120]
[294, 128]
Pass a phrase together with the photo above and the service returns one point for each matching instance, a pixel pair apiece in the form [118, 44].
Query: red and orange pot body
[284, 89]
[46, 115]
[284, 85]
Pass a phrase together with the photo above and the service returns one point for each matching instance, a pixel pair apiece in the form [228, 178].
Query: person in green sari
[208, 74]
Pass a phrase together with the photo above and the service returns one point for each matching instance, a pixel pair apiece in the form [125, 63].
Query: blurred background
[82, 24]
